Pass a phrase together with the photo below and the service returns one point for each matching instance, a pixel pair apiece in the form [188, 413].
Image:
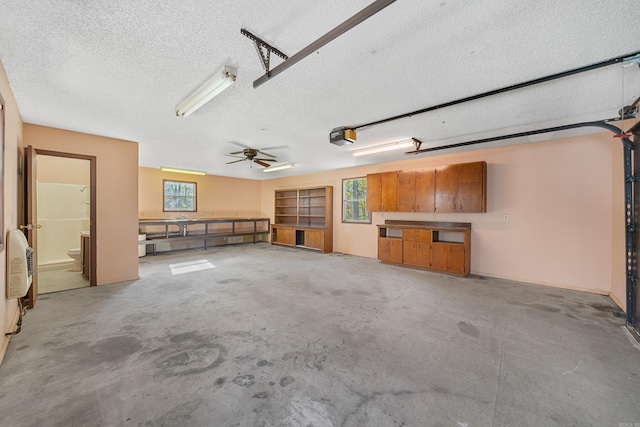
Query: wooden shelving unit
[304, 218]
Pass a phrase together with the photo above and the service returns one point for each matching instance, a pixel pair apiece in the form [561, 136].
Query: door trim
[93, 281]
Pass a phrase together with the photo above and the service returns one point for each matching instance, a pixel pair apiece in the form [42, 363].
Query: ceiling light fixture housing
[279, 167]
[406, 143]
[212, 87]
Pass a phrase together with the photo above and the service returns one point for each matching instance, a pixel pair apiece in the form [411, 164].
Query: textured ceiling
[118, 68]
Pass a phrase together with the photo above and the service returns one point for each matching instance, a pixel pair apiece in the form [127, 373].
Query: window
[354, 200]
[179, 196]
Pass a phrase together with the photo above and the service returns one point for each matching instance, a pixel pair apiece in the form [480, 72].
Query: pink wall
[12, 143]
[558, 195]
[218, 196]
[116, 193]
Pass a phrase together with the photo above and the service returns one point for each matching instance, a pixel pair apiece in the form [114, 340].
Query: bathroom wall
[63, 212]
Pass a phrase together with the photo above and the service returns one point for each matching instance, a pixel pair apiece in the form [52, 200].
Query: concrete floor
[282, 337]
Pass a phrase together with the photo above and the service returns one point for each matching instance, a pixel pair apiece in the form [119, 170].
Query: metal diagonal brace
[265, 57]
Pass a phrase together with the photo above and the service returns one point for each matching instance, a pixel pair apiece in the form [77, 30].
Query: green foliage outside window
[354, 200]
[179, 196]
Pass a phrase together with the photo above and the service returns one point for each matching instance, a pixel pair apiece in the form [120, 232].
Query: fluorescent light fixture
[212, 87]
[166, 169]
[279, 167]
[407, 143]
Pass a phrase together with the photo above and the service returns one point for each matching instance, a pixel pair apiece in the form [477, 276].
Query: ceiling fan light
[206, 92]
[279, 167]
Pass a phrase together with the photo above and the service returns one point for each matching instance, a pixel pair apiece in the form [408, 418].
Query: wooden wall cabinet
[304, 218]
[452, 188]
[438, 246]
[382, 192]
[461, 188]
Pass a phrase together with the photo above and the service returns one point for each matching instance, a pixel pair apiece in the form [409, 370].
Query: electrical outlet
[506, 217]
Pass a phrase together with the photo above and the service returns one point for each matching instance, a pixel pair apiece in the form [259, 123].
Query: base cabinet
[301, 237]
[390, 249]
[438, 246]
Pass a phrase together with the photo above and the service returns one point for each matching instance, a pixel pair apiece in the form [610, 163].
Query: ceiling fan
[252, 154]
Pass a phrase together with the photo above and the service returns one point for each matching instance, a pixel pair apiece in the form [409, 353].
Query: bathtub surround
[63, 212]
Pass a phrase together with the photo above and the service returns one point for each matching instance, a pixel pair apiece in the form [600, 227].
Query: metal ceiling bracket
[264, 50]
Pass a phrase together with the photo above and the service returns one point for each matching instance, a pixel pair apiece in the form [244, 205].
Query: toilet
[77, 261]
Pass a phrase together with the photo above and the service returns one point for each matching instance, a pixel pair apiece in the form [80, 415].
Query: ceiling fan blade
[236, 161]
[232, 155]
[266, 165]
[236, 152]
[277, 147]
[238, 144]
[266, 154]
[265, 160]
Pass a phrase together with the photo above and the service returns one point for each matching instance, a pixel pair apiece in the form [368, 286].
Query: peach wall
[63, 170]
[218, 196]
[116, 193]
[12, 138]
[558, 195]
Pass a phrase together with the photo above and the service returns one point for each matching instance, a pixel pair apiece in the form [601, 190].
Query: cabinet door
[423, 256]
[395, 251]
[425, 180]
[455, 258]
[446, 188]
[472, 178]
[439, 256]
[286, 236]
[409, 234]
[390, 191]
[410, 253]
[407, 191]
[390, 249]
[314, 239]
[423, 236]
[374, 192]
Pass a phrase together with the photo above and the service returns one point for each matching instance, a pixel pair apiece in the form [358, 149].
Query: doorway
[64, 202]
[63, 186]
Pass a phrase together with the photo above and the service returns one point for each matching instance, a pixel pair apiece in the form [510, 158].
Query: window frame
[164, 195]
[343, 203]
